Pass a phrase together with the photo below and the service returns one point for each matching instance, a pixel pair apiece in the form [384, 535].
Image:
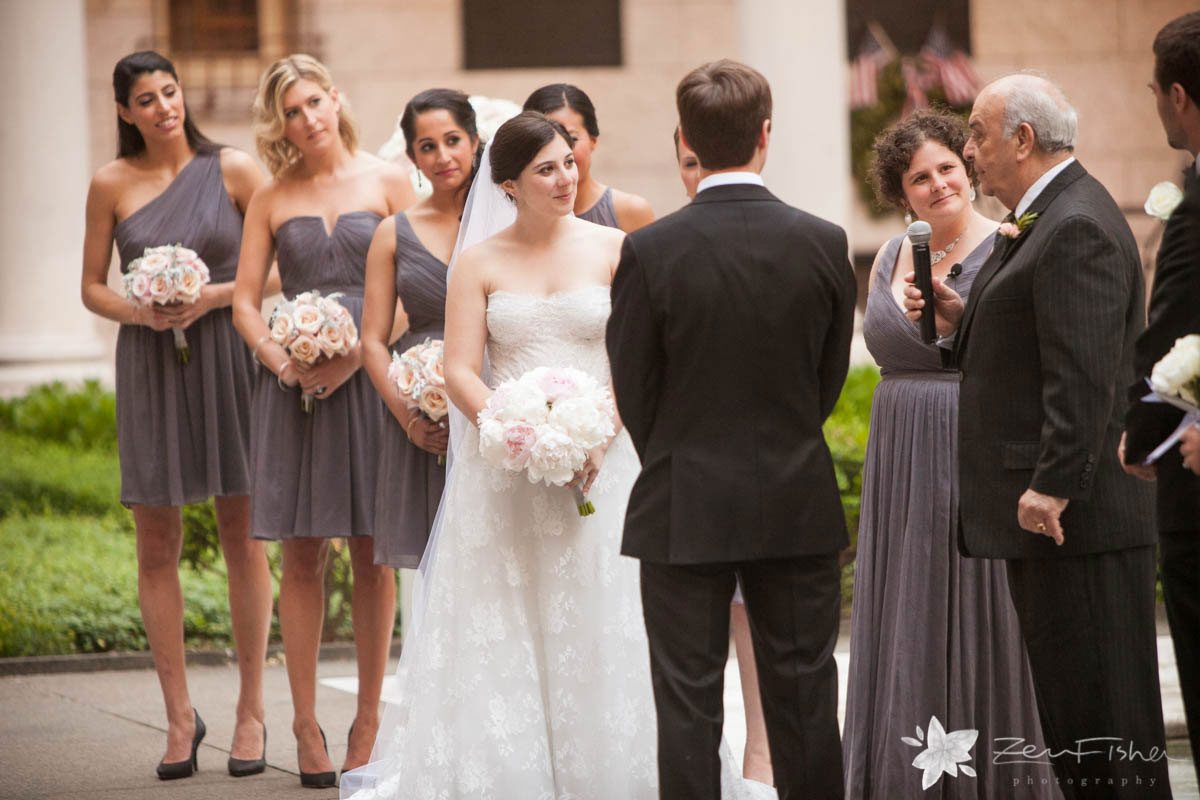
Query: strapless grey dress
[315, 474]
[183, 431]
[410, 480]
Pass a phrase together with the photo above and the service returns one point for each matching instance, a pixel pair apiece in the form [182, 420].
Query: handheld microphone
[919, 233]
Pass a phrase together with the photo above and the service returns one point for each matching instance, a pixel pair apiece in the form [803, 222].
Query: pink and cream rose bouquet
[544, 423]
[167, 275]
[421, 381]
[311, 327]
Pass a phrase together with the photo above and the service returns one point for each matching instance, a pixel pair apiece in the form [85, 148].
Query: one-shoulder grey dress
[314, 475]
[410, 480]
[603, 212]
[933, 634]
[183, 430]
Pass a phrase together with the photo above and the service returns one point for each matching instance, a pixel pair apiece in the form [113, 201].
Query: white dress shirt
[729, 179]
[1041, 183]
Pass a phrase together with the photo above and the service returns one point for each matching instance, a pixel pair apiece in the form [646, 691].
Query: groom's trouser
[1088, 624]
[793, 606]
[1180, 555]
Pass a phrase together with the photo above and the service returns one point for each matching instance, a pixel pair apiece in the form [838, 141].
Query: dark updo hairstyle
[125, 74]
[894, 149]
[549, 99]
[450, 100]
[519, 140]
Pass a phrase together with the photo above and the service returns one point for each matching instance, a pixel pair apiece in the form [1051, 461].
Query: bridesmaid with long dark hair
[182, 430]
[314, 475]
[570, 107]
[406, 298]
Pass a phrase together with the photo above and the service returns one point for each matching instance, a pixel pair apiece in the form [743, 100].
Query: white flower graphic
[944, 752]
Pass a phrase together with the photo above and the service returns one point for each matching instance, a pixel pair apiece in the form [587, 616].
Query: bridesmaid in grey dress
[406, 297]
[933, 635]
[314, 475]
[570, 107]
[182, 430]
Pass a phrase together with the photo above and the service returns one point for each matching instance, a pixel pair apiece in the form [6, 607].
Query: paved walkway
[98, 735]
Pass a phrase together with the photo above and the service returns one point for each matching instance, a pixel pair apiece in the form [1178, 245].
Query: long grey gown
[183, 430]
[933, 634]
[315, 474]
[410, 480]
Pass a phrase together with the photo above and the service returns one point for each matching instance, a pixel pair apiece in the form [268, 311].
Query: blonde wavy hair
[269, 138]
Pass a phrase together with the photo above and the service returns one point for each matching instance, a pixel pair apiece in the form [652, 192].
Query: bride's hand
[585, 477]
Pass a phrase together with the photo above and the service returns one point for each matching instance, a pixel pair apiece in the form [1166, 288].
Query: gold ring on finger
[1041, 527]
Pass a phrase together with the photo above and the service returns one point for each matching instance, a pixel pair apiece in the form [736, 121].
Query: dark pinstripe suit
[1046, 349]
[1174, 312]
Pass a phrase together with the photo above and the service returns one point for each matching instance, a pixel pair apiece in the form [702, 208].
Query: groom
[729, 341]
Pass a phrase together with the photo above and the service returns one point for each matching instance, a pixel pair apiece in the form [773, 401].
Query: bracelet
[258, 344]
[279, 375]
[408, 427]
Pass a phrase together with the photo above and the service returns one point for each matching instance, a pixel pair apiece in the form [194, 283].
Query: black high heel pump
[184, 769]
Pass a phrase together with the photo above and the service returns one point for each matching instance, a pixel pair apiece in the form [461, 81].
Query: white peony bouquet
[1175, 380]
[421, 381]
[311, 327]
[544, 423]
[164, 275]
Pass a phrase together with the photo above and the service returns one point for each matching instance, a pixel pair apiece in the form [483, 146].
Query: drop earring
[419, 185]
[908, 217]
[971, 195]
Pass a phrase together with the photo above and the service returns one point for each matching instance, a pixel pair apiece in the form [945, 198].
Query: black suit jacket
[729, 342]
[1174, 312]
[1046, 352]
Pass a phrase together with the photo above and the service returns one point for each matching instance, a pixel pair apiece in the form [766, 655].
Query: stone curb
[104, 662]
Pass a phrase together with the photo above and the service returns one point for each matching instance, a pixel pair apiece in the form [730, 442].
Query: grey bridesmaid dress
[410, 480]
[314, 475]
[603, 212]
[933, 634]
[183, 431]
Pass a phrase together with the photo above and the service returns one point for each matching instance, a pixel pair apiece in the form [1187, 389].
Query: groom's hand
[1039, 513]
[947, 304]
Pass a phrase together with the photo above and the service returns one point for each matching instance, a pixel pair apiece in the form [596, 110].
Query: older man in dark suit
[1046, 347]
[1175, 312]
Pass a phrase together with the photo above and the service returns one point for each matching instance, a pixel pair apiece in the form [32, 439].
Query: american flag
[952, 68]
[872, 57]
[915, 82]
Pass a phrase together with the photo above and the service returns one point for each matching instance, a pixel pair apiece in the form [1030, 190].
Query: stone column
[45, 332]
[801, 49]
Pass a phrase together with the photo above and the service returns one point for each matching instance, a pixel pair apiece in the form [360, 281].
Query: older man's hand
[1144, 471]
[1039, 513]
[1189, 446]
[947, 304]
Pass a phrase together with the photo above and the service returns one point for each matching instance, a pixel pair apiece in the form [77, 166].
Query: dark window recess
[908, 23]
[541, 33]
[214, 26]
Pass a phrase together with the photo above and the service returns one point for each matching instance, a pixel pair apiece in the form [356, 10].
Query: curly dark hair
[894, 149]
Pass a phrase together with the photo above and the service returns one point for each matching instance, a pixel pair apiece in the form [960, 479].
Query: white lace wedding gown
[529, 678]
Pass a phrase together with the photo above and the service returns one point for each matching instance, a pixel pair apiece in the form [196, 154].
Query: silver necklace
[937, 255]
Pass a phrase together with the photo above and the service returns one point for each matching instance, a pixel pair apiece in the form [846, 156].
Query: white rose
[153, 263]
[434, 402]
[308, 318]
[331, 340]
[1176, 373]
[137, 286]
[404, 373]
[185, 255]
[554, 458]
[582, 419]
[1162, 200]
[304, 348]
[432, 368]
[162, 288]
[281, 328]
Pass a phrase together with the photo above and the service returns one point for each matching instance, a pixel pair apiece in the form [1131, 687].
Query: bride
[529, 675]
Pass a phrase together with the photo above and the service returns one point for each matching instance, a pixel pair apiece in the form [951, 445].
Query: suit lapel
[1005, 248]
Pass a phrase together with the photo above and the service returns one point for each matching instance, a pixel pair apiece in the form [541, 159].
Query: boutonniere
[1162, 200]
[1011, 230]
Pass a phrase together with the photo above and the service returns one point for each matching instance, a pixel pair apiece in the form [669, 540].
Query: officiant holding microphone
[963, 662]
